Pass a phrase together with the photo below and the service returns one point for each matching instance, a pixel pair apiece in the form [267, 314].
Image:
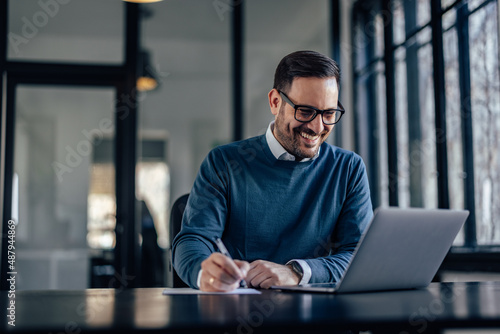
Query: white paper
[189, 291]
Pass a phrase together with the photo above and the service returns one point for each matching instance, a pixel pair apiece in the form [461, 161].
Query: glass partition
[81, 31]
[65, 183]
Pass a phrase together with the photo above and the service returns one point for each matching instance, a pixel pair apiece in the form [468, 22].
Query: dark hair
[304, 64]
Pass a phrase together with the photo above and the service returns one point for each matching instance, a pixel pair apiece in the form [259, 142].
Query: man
[290, 207]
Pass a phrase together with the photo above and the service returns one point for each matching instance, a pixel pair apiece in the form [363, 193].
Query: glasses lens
[304, 114]
[331, 117]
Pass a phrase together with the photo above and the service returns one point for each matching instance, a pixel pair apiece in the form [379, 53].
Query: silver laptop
[400, 249]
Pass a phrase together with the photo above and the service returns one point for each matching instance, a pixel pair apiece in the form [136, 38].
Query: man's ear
[274, 101]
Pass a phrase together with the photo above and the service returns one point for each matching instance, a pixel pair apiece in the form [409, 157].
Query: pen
[224, 251]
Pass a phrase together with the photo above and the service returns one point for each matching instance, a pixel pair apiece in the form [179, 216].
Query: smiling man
[302, 131]
[289, 207]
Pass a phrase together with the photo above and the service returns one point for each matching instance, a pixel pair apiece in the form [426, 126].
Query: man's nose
[316, 124]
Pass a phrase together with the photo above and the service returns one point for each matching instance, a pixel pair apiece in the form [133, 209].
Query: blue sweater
[275, 210]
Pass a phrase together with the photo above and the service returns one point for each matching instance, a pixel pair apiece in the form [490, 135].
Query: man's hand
[264, 274]
[220, 273]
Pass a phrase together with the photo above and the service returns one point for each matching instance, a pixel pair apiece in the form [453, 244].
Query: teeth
[305, 135]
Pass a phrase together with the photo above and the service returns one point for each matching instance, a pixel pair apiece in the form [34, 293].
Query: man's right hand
[220, 273]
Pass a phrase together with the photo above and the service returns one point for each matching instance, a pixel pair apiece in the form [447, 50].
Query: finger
[217, 285]
[222, 268]
[214, 277]
[243, 265]
[231, 269]
[257, 276]
[210, 283]
[259, 279]
[256, 268]
[267, 283]
[257, 263]
[206, 283]
[212, 270]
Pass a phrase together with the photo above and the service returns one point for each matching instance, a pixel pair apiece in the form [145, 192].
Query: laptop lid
[400, 249]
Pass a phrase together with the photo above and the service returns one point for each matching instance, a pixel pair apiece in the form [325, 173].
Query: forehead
[321, 93]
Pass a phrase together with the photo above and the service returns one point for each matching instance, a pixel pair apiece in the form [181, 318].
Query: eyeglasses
[306, 114]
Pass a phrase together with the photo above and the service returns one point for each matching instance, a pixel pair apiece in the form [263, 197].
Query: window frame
[120, 77]
[476, 257]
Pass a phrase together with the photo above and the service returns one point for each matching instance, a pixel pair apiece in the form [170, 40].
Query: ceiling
[169, 19]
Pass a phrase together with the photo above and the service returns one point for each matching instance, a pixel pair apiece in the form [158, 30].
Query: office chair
[152, 256]
[175, 227]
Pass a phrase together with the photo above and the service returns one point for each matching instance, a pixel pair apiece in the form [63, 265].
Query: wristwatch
[297, 269]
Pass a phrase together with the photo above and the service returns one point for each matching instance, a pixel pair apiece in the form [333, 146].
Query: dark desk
[459, 305]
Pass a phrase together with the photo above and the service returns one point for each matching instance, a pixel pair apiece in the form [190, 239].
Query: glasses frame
[318, 111]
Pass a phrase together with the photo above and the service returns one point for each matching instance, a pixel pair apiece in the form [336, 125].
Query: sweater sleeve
[203, 220]
[355, 215]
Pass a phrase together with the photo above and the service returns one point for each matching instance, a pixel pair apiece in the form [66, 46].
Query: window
[414, 105]
[465, 96]
[485, 110]
[370, 105]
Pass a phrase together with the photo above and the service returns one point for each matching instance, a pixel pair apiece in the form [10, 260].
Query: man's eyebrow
[308, 106]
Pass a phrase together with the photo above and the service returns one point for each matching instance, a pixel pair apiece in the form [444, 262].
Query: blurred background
[109, 107]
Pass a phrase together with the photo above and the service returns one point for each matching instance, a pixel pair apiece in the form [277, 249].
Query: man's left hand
[264, 274]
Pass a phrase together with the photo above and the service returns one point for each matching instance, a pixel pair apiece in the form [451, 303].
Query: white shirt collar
[278, 150]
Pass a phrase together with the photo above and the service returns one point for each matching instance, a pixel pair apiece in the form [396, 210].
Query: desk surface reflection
[441, 305]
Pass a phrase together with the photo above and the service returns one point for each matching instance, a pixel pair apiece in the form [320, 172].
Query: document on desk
[189, 291]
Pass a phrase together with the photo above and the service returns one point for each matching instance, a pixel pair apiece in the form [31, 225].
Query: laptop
[400, 249]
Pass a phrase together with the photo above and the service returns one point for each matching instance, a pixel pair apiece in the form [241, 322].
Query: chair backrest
[175, 227]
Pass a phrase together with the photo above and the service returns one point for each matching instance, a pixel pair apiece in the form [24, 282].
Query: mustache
[306, 130]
